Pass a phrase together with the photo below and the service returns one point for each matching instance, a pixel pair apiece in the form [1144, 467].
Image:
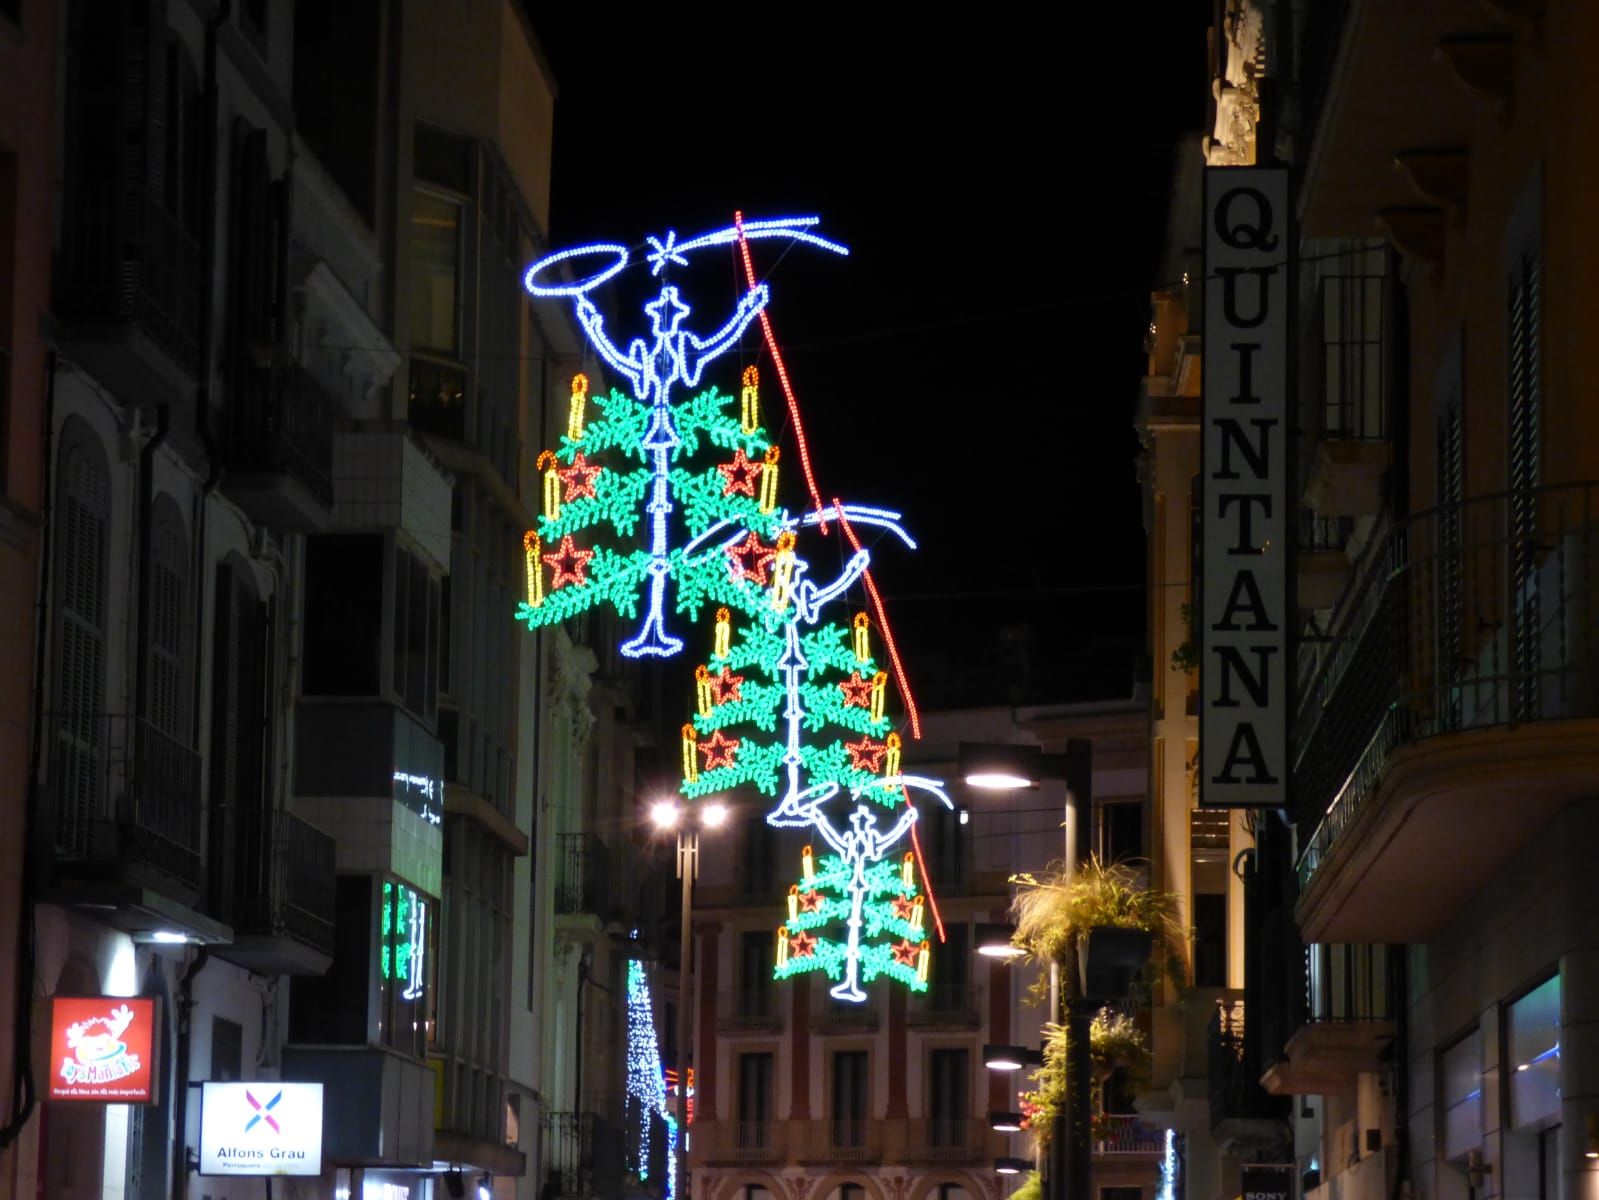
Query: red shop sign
[102, 1049]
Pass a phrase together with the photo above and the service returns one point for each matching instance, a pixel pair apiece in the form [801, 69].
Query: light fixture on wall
[1005, 1122]
[1590, 1136]
[1006, 1058]
[1011, 1166]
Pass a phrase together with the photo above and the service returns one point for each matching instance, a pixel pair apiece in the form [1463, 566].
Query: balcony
[383, 1100]
[1464, 670]
[585, 1152]
[1127, 1134]
[1345, 1022]
[122, 815]
[128, 287]
[749, 1009]
[274, 876]
[278, 446]
[585, 891]
[842, 1016]
[1323, 566]
[1242, 1115]
[943, 1008]
[844, 1140]
[947, 1140]
[731, 1143]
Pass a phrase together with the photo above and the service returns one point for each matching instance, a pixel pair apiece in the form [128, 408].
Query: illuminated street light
[665, 814]
[1005, 1122]
[1011, 1166]
[713, 815]
[994, 941]
[1006, 1058]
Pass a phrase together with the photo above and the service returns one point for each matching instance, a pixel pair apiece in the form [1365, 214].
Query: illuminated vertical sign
[1245, 527]
[102, 1049]
[403, 944]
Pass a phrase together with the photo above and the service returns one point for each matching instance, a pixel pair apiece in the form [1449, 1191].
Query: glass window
[1462, 1096]
[1534, 1048]
[435, 261]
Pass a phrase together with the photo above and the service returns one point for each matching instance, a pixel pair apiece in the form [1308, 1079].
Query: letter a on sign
[1245, 534]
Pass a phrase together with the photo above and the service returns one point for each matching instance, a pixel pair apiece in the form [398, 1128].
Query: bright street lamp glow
[1005, 1122]
[1005, 1058]
[1010, 1166]
[998, 781]
[168, 937]
[664, 813]
[714, 816]
[1002, 951]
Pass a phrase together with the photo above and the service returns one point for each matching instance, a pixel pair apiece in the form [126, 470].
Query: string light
[894, 743]
[916, 913]
[552, 485]
[782, 947]
[793, 902]
[587, 283]
[724, 633]
[568, 564]
[783, 572]
[578, 479]
[535, 571]
[646, 1080]
[739, 476]
[702, 690]
[923, 959]
[750, 401]
[907, 867]
[580, 397]
[863, 638]
[888, 636]
[879, 695]
[808, 864]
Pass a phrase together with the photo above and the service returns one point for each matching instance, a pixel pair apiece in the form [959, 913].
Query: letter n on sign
[1246, 526]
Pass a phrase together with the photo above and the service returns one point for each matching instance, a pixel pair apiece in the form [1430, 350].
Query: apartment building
[800, 1094]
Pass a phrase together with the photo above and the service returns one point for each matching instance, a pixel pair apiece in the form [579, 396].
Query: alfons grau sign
[1244, 616]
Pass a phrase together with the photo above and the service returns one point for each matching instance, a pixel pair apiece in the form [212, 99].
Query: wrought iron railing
[1346, 982]
[1235, 1091]
[122, 790]
[750, 1141]
[584, 1152]
[1455, 623]
[948, 1005]
[1127, 1133]
[283, 876]
[280, 420]
[124, 258]
[850, 1139]
[748, 1008]
[583, 874]
[947, 1139]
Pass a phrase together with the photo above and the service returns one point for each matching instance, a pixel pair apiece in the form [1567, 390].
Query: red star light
[739, 475]
[810, 902]
[857, 691]
[718, 750]
[750, 559]
[726, 686]
[905, 953]
[579, 477]
[569, 563]
[866, 755]
[903, 908]
[801, 945]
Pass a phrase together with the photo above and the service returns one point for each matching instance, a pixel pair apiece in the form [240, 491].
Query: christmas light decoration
[724, 633]
[691, 770]
[535, 571]
[862, 641]
[552, 486]
[646, 1081]
[575, 412]
[769, 480]
[702, 690]
[750, 401]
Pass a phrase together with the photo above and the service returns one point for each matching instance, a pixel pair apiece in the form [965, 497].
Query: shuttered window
[77, 763]
[166, 701]
[1524, 395]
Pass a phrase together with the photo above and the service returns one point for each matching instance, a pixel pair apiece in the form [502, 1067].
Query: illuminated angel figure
[673, 355]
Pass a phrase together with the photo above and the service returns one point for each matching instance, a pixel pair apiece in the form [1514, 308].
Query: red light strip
[921, 865]
[882, 621]
[782, 371]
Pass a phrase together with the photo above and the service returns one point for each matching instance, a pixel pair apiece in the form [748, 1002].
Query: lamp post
[991, 767]
[668, 814]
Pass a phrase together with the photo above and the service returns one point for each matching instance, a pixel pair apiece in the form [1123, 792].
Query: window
[944, 845]
[435, 262]
[83, 511]
[241, 794]
[849, 1098]
[948, 1080]
[1533, 1045]
[415, 636]
[754, 1099]
[1210, 939]
[951, 967]
[758, 868]
[343, 614]
[1462, 1095]
[754, 974]
[166, 690]
[227, 1050]
[1121, 831]
[1523, 469]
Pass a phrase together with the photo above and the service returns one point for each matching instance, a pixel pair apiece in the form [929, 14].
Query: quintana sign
[1246, 532]
[263, 1127]
[102, 1049]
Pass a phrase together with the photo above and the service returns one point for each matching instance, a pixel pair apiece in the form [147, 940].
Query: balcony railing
[283, 876]
[745, 1142]
[748, 1008]
[1347, 983]
[830, 1015]
[947, 1140]
[124, 259]
[280, 421]
[1119, 1133]
[847, 1139]
[124, 793]
[1462, 619]
[948, 1007]
[1235, 1091]
[584, 1152]
[583, 874]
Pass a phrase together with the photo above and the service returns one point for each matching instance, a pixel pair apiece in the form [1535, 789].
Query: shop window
[1533, 1044]
[1461, 1076]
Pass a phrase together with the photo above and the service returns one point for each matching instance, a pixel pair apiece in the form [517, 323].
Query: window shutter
[78, 766]
[1523, 471]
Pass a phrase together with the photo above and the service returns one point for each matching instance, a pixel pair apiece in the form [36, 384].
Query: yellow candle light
[862, 638]
[750, 401]
[535, 569]
[769, 480]
[782, 946]
[580, 398]
[907, 869]
[724, 633]
[552, 486]
[916, 914]
[922, 960]
[702, 690]
[691, 770]
[783, 571]
[891, 759]
[793, 902]
[808, 864]
[879, 694]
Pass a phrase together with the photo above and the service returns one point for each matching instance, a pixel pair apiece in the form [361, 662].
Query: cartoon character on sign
[99, 1054]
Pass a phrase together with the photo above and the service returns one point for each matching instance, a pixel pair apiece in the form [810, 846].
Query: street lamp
[994, 941]
[1011, 1166]
[686, 821]
[1007, 1058]
[1009, 767]
[1005, 1122]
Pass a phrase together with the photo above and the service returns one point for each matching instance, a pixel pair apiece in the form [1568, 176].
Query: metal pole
[688, 862]
[1078, 1173]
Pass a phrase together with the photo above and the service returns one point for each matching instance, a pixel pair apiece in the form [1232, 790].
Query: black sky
[999, 173]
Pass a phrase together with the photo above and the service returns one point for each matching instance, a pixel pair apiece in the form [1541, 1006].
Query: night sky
[999, 173]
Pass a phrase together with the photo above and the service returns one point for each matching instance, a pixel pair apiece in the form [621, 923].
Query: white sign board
[261, 1128]
[1246, 523]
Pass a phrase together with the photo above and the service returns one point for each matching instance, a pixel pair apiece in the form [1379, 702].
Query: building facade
[800, 1095]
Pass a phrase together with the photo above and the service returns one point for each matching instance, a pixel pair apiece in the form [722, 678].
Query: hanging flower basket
[1109, 957]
